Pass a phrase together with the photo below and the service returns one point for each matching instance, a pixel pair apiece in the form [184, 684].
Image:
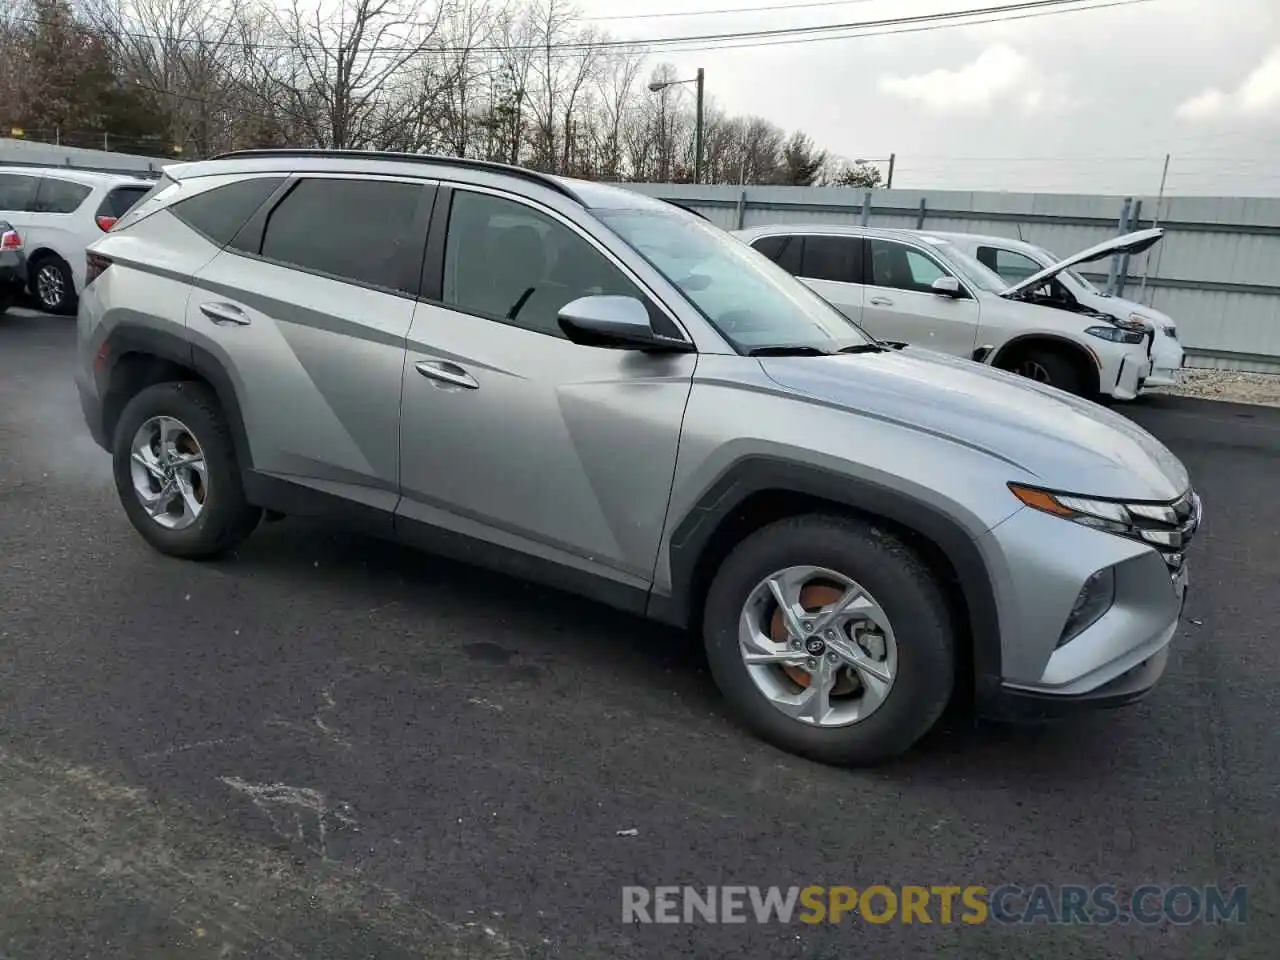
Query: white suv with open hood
[923, 289]
[1016, 260]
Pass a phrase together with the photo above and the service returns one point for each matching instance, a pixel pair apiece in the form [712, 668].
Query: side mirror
[621, 323]
[946, 287]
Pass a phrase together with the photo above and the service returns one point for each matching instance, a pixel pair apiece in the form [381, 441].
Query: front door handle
[881, 302]
[225, 313]
[446, 372]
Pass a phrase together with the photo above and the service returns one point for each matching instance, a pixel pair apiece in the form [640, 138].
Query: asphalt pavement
[330, 746]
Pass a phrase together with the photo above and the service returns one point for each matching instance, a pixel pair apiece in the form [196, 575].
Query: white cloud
[1257, 94]
[997, 75]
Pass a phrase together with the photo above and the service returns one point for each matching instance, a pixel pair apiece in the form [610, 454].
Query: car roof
[1011, 242]
[90, 178]
[589, 194]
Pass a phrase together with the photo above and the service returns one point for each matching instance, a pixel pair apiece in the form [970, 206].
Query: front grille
[1170, 527]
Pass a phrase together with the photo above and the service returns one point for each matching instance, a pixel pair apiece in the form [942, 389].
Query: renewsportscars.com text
[938, 904]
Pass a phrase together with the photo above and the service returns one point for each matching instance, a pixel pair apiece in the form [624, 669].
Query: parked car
[13, 265]
[58, 213]
[580, 385]
[920, 288]
[1015, 261]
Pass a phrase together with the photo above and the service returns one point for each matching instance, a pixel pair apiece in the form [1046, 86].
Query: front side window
[359, 230]
[60, 196]
[899, 267]
[749, 299]
[506, 261]
[18, 192]
[1012, 267]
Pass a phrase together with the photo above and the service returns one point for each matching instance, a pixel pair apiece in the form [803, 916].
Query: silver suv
[603, 392]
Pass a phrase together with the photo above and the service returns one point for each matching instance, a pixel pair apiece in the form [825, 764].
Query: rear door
[18, 200]
[901, 304]
[830, 264]
[308, 308]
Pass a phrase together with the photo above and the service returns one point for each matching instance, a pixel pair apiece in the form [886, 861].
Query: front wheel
[176, 472]
[1052, 368]
[830, 638]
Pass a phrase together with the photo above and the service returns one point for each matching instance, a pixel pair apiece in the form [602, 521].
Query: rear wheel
[53, 285]
[176, 472]
[830, 638]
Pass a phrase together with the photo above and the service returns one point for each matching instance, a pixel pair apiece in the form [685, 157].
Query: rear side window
[60, 196]
[784, 251]
[359, 230]
[832, 258]
[118, 201]
[221, 212]
[18, 192]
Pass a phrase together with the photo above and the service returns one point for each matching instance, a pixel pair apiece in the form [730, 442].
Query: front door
[518, 439]
[900, 303]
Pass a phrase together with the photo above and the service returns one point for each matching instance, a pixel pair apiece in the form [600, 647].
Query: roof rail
[533, 176]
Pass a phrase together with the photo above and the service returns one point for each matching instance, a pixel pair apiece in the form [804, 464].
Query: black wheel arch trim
[135, 339]
[752, 475]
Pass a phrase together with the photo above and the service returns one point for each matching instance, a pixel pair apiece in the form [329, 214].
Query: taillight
[95, 264]
[106, 223]
[10, 240]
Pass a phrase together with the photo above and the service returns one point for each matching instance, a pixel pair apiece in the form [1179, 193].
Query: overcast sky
[1079, 102]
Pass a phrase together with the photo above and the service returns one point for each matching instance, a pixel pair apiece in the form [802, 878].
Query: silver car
[600, 391]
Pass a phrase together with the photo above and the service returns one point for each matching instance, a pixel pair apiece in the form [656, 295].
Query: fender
[992, 357]
[758, 474]
[148, 341]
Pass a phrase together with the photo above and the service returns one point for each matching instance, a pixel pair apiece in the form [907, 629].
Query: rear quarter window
[221, 212]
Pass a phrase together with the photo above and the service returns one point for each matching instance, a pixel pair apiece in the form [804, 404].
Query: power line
[775, 8]
[730, 40]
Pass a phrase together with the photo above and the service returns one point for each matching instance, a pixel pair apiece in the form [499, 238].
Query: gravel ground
[1230, 385]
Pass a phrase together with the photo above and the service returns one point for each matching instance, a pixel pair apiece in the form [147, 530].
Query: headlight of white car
[1117, 334]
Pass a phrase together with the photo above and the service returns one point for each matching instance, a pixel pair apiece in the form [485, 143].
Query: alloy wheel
[818, 645]
[49, 286]
[169, 475]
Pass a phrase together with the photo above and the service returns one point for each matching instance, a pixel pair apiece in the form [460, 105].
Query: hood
[1129, 243]
[1057, 440]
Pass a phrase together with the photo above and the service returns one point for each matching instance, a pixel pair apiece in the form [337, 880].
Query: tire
[225, 517]
[1051, 367]
[53, 286]
[904, 588]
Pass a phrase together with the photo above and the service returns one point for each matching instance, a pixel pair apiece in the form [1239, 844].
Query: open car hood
[1135, 242]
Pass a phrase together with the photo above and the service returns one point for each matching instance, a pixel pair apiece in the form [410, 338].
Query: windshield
[969, 269]
[1049, 259]
[752, 302]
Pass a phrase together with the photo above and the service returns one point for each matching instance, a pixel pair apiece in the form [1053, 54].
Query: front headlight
[1116, 334]
[1167, 527]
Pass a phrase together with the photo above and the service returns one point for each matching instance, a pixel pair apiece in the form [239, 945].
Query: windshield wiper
[787, 350]
[863, 348]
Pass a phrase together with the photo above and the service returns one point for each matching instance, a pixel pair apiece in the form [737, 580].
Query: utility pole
[1155, 222]
[697, 141]
[888, 184]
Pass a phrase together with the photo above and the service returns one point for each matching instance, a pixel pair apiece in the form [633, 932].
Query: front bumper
[1122, 376]
[1114, 661]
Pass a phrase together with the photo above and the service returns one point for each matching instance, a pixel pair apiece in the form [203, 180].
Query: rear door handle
[225, 313]
[446, 372]
[881, 302]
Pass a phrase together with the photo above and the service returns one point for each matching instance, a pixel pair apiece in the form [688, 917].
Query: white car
[919, 288]
[1016, 260]
[58, 213]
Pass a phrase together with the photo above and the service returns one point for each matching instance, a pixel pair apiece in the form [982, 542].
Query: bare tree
[343, 71]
